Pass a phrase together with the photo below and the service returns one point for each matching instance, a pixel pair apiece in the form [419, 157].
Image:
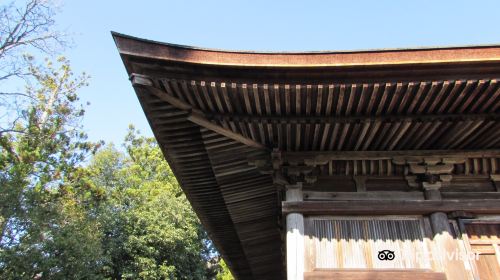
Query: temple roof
[212, 111]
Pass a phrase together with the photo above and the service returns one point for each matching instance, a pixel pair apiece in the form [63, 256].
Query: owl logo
[385, 255]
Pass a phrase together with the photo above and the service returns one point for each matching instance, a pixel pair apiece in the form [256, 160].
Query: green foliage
[123, 216]
[120, 215]
[224, 273]
[150, 229]
[44, 218]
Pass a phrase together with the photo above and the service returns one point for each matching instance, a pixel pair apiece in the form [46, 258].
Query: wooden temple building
[380, 164]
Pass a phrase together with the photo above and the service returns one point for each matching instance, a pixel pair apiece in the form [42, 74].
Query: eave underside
[446, 107]
[236, 204]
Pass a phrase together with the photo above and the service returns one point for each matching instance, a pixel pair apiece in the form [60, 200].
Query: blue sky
[252, 25]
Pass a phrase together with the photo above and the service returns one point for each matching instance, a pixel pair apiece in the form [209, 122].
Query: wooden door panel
[483, 238]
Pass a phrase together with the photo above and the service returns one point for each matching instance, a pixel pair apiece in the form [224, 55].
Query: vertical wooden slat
[329, 100]
[277, 99]
[340, 101]
[267, 104]
[354, 242]
[258, 109]
[385, 94]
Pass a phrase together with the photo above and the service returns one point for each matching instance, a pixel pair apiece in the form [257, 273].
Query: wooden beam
[323, 156]
[194, 115]
[357, 196]
[374, 274]
[400, 207]
[470, 195]
[353, 119]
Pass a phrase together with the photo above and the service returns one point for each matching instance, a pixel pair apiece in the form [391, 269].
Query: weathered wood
[470, 195]
[440, 224]
[378, 274]
[495, 178]
[432, 194]
[443, 236]
[360, 183]
[407, 119]
[381, 155]
[354, 242]
[197, 119]
[236, 204]
[400, 207]
[381, 195]
[131, 46]
[194, 115]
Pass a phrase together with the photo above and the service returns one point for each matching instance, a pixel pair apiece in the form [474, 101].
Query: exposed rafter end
[194, 115]
[141, 80]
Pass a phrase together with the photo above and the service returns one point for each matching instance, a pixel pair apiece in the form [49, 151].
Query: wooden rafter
[444, 100]
[194, 115]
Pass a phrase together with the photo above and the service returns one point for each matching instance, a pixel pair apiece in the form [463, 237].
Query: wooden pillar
[446, 248]
[495, 178]
[294, 236]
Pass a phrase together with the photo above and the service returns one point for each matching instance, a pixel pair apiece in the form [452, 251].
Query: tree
[224, 273]
[46, 231]
[43, 198]
[150, 230]
[25, 26]
[123, 216]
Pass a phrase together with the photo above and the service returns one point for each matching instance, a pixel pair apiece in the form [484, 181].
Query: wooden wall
[347, 247]
[354, 242]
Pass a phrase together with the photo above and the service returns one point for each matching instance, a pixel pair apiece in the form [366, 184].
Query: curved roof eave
[133, 46]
